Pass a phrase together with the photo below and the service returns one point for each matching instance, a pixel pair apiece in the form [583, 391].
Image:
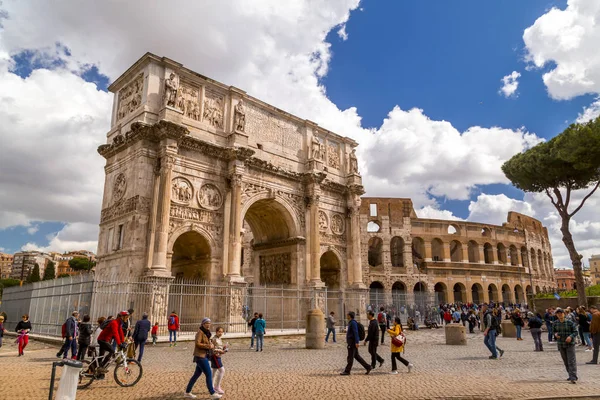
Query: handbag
[399, 340]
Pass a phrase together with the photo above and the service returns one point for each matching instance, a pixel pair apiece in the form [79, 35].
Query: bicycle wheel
[129, 374]
[86, 377]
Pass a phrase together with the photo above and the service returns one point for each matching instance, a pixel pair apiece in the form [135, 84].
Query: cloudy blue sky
[438, 94]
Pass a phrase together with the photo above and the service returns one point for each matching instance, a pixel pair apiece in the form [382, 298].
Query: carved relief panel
[182, 191]
[214, 109]
[323, 221]
[337, 224]
[210, 197]
[130, 97]
[276, 268]
[188, 101]
[333, 155]
[119, 187]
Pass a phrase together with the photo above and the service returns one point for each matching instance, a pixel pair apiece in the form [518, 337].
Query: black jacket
[535, 322]
[373, 332]
[23, 325]
[251, 323]
[71, 324]
[141, 330]
[85, 333]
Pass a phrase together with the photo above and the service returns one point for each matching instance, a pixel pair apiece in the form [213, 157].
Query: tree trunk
[575, 260]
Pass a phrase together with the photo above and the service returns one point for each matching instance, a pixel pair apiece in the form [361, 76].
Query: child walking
[215, 362]
[154, 333]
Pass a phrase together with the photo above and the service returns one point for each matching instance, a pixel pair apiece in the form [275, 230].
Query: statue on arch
[171, 87]
[316, 148]
[353, 162]
[239, 120]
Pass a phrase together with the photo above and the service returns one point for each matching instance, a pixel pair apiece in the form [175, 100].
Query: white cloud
[432, 212]
[412, 155]
[75, 236]
[342, 32]
[590, 112]
[32, 230]
[569, 39]
[493, 209]
[510, 84]
[2, 249]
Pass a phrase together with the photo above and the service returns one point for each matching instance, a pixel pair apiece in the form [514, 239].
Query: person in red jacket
[109, 332]
[173, 326]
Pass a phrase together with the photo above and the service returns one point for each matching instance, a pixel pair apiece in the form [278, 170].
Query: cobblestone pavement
[284, 370]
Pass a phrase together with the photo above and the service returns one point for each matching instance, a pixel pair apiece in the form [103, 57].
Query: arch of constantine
[206, 183]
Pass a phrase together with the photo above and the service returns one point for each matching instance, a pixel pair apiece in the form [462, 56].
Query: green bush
[589, 291]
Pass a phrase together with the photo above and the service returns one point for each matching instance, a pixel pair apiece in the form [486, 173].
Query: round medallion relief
[337, 224]
[119, 187]
[182, 191]
[323, 221]
[210, 197]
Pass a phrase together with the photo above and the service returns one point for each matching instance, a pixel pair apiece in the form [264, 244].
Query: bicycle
[127, 373]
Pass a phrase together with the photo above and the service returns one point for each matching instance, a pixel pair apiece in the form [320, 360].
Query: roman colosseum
[411, 260]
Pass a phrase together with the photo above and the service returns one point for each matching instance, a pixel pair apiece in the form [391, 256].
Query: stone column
[159, 259]
[235, 227]
[314, 235]
[427, 246]
[354, 236]
[481, 255]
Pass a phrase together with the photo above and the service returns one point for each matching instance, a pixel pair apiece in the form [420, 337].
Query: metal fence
[49, 303]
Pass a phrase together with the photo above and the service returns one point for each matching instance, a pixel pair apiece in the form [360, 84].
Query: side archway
[331, 270]
[191, 257]
[506, 294]
[477, 293]
[460, 293]
[376, 294]
[441, 292]
[493, 292]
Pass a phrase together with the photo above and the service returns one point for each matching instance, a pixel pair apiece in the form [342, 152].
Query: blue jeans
[172, 336]
[140, 346]
[490, 342]
[550, 335]
[260, 337]
[330, 330]
[69, 345]
[252, 339]
[586, 337]
[518, 331]
[202, 366]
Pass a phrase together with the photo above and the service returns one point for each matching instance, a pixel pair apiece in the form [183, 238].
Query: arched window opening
[375, 247]
[397, 251]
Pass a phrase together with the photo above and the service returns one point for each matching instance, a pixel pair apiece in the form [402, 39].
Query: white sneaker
[219, 390]
[190, 396]
[588, 349]
[215, 395]
[394, 373]
[410, 367]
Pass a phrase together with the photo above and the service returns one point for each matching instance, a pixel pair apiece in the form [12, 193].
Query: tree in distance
[81, 264]
[49, 272]
[35, 274]
[568, 162]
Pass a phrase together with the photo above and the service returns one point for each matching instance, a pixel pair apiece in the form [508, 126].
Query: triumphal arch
[206, 182]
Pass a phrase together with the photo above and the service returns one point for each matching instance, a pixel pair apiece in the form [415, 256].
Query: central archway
[506, 294]
[191, 257]
[272, 225]
[493, 292]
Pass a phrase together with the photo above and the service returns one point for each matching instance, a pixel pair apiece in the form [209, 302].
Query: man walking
[382, 322]
[353, 343]
[251, 325]
[595, 332]
[565, 333]
[70, 337]
[373, 339]
[330, 326]
[490, 325]
[549, 319]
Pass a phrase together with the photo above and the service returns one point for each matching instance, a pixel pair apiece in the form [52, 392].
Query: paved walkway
[285, 370]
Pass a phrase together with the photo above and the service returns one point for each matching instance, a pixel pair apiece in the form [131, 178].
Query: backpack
[361, 331]
[64, 330]
[171, 320]
[381, 318]
[105, 323]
